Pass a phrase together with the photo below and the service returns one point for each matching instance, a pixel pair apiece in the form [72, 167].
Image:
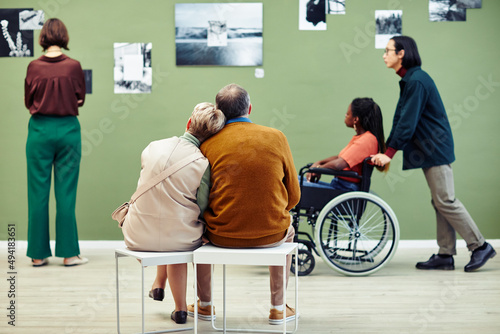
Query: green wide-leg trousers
[54, 143]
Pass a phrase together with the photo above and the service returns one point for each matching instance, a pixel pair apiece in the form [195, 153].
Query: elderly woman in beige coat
[167, 217]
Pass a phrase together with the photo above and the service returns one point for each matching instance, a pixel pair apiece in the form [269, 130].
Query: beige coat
[165, 218]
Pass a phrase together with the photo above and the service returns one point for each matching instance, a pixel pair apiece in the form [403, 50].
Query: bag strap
[163, 175]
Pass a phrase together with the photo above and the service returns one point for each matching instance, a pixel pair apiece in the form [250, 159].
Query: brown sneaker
[203, 312]
[276, 317]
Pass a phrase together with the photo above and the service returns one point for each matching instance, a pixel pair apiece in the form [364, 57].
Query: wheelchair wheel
[357, 233]
[306, 262]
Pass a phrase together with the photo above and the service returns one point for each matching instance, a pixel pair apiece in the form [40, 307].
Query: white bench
[273, 256]
[149, 259]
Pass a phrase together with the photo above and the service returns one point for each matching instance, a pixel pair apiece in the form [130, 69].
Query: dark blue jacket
[420, 127]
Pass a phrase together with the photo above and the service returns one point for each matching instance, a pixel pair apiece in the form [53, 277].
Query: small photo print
[217, 33]
[312, 14]
[445, 10]
[88, 81]
[31, 19]
[14, 42]
[132, 72]
[388, 23]
[336, 7]
[470, 3]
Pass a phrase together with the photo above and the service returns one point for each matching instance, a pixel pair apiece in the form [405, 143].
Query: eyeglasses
[387, 51]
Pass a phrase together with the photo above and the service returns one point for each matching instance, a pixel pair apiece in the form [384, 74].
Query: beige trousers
[276, 274]
[451, 215]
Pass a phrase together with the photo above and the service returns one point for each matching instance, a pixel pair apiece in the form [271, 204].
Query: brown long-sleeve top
[53, 86]
[254, 185]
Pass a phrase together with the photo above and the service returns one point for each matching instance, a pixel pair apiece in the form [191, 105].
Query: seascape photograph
[218, 34]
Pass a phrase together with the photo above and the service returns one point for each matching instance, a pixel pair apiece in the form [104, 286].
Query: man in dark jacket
[421, 129]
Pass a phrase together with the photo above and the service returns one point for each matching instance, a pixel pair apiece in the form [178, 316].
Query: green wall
[310, 78]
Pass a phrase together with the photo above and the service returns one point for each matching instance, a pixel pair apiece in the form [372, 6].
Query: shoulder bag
[121, 212]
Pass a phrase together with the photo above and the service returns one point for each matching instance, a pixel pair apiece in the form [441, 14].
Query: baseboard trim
[113, 244]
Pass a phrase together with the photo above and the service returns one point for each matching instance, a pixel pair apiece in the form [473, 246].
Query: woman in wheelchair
[355, 232]
[365, 116]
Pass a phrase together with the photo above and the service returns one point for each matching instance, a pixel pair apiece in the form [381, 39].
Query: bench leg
[224, 299]
[195, 299]
[117, 296]
[142, 295]
[284, 297]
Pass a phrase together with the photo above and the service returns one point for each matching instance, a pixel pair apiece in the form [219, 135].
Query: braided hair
[370, 118]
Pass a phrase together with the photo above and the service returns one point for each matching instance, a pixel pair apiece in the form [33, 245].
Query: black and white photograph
[388, 23]
[312, 14]
[133, 73]
[31, 19]
[14, 42]
[336, 7]
[218, 34]
[446, 10]
[469, 3]
[88, 81]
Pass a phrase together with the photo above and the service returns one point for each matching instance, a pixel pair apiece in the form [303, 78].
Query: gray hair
[233, 100]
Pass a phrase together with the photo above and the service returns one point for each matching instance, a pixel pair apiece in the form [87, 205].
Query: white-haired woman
[167, 217]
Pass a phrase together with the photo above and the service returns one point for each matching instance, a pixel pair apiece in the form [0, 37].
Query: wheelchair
[355, 232]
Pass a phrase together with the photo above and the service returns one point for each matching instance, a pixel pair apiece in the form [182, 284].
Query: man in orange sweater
[253, 187]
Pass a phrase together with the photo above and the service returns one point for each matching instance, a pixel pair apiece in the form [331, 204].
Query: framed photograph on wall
[31, 19]
[312, 14]
[132, 72]
[219, 34]
[388, 23]
[14, 41]
[469, 3]
[88, 81]
[445, 10]
[335, 7]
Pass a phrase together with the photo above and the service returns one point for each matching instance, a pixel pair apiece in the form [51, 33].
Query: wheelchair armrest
[329, 171]
[365, 178]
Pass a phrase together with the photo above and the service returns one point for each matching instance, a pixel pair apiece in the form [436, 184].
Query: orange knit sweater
[254, 185]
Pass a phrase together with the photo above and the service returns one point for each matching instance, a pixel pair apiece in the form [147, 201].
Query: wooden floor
[398, 299]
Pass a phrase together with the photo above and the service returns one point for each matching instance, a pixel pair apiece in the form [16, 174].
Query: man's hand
[380, 159]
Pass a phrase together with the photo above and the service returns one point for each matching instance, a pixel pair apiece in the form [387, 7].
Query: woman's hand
[313, 177]
[380, 159]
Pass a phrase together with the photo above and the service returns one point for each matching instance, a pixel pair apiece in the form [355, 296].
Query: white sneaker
[76, 261]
